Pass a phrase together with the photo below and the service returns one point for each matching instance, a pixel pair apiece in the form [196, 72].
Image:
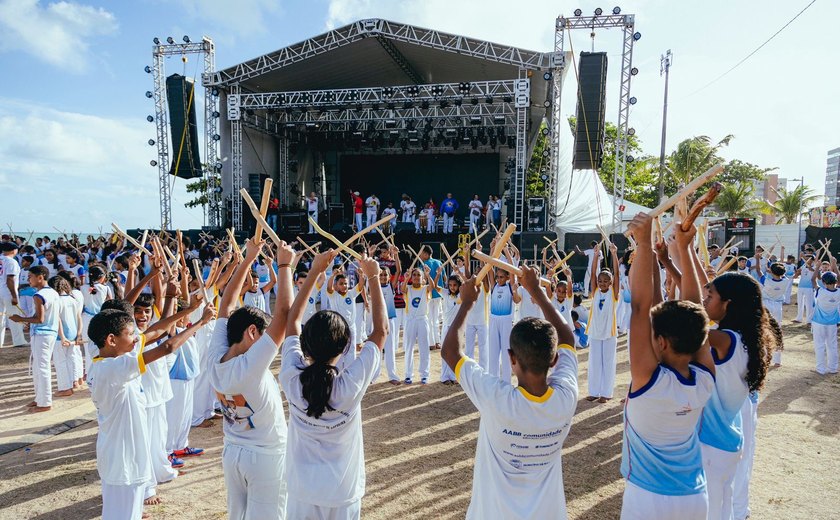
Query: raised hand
[468, 292]
[285, 254]
[370, 267]
[641, 227]
[323, 260]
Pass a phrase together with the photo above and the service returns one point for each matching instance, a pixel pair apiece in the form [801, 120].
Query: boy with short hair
[518, 470]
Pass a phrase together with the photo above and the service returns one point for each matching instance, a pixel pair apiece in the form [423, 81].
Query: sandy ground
[419, 448]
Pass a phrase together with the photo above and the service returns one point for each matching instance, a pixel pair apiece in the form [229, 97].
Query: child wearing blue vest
[805, 292]
[825, 319]
[672, 378]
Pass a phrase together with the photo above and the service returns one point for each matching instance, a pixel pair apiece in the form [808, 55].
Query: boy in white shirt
[243, 346]
[372, 205]
[9, 302]
[518, 470]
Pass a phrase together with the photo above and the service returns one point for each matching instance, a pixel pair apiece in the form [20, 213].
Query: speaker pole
[665, 68]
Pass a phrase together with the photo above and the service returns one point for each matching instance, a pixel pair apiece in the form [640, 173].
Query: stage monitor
[185, 161]
[421, 177]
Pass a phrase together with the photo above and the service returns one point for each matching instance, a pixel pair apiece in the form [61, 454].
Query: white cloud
[243, 18]
[58, 33]
[80, 171]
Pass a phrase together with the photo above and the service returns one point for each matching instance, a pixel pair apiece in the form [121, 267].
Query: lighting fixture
[151, 142]
[217, 137]
[616, 10]
[186, 39]
[153, 162]
[147, 69]
[578, 12]
[633, 100]
[631, 131]
[156, 40]
[149, 94]
[150, 118]
[634, 71]
[637, 36]
[547, 76]
[488, 100]
[598, 11]
[170, 40]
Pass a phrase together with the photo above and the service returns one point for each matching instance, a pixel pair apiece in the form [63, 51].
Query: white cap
[355, 193]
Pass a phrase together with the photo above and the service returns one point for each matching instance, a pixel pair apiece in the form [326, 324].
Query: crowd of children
[104, 314]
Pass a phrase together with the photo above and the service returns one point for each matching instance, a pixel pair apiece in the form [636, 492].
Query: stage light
[390, 123]
[156, 40]
[153, 162]
[464, 87]
[388, 91]
[598, 11]
[408, 104]
[616, 10]
[424, 105]
[219, 166]
[474, 101]
[547, 103]
[215, 91]
[150, 118]
[631, 131]
[544, 177]
[458, 102]
[488, 100]
[217, 137]
[147, 69]
[186, 39]
[216, 114]
[578, 12]
[508, 99]
[492, 142]
[634, 71]
[545, 131]
[170, 40]
[149, 94]
[151, 142]
[637, 36]
[475, 120]
[547, 76]
[444, 104]
[630, 158]
[633, 100]
[546, 153]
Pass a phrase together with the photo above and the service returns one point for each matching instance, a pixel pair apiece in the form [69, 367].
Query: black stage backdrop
[814, 234]
[421, 177]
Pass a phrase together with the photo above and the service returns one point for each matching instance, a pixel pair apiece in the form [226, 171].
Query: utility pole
[664, 68]
[801, 182]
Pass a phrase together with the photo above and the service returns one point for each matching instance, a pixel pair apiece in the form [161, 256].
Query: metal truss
[283, 177]
[529, 60]
[554, 124]
[518, 185]
[236, 157]
[399, 59]
[627, 23]
[211, 146]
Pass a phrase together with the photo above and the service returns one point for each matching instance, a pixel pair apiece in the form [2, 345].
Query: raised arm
[161, 327]
[596, 261]
[370, 267]
[175, 342]
[272, 281]
[643, 359]
[276, 330]
[316, 271]
[689, 281]
[237, 278]
[453, 344]
[616, 279]
[531, 282]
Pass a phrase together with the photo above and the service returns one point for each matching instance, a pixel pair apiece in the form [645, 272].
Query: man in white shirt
[9, 303]
[372, 205]
[590, 257]
[312, 210]
[475, 213]
[389, 210]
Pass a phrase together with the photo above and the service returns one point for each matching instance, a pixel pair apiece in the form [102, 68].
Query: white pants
[204, 398]
[179, 415]
[399, 323]
[473, 225]
[391, 350]
[788, 291]
[446, 373]
[256, 484]
[314, 216]
[741, 487]
[430, 224]
[6, 310]
[587, 280]
[498, 345]
[65, 369]
[359, 324]
[297, 509]
[434, 320]
[349, 354]
[78, 362]
[359, 226]
[775, 310]
[416, 331]
[159, 457]
[447, 223]
[720, 467]
[825, 347]
[477, 333]
[623, 315]
[804, 304]
[42, 351]
[123, 502]
[371, 218]
[641, 504]
[602, 367]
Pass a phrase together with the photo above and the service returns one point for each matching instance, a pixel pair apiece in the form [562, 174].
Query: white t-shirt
[475, 207]
[345, 304]
[602, 316]
[372, 204]
[326, 457]
[528, 308]
[8, 267]
[92, 303]
[478, 315]
[254, 299]
[156, 383]
[416, 302]
[122, 446]
[312, 205]
[389, 211]
[451, 303]
[254, 412]
[409, 208]
[52, 307]
[518, 471]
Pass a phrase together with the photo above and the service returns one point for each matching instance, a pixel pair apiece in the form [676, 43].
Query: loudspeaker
[404, 227]
[589, 130]
[536, 214]
[527, 242]
[180, 93]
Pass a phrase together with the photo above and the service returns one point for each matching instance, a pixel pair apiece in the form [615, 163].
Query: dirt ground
[419, 448]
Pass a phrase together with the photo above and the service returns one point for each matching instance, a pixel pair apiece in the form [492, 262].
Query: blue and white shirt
[721, 423]
[501, 300]
[826, 307]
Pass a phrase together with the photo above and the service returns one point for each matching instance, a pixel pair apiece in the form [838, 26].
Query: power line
[750, 55]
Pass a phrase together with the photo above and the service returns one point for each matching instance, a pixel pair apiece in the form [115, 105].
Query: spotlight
[488, 100]
[151, 142]
[219, 166]
[616, 10]
[631, 131]
[149, 94]
[170, 40]
[186, 39]
[547, 76]
[630, 158]
[150, 118]
[543, 177]
[475, 120]
[458, 102]
[147, 69]
[388, 91]
[153, 162]
[547, 103]
[633, 100]
[578, 12]
[217, 137]
[156, 40]
[546, 131]
[216, 113]
[634, 71]
[215, 91]
[444, 104]
[464, 86]
[546, 152]
[598, 11]
[424, 105]
[474, 101]
[508, 99]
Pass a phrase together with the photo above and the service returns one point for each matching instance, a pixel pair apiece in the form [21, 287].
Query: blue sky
[72, 111]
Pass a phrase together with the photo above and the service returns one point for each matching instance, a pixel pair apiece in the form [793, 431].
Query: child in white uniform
[326, 477]
[824, 323]
[253, 294]
[451, 302]
[417, 330]
[774, 287]
[310, 302]
[477, 324]
[387, 285]
[672, 377]
[602, 330]
[805, 291]
[343, 301]
[243, 346]
[502, 298]
[741, 348]
[93, 296]
[518, 467]
[66, 354]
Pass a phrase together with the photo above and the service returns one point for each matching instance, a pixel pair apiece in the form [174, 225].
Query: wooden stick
[561, 263]
[700, 204]
[144, 238]
[371, 227]
[233, 243]
[130, 240]
[477, 238]
[310, 249]
[266, 198]
[657, 224]
[550, 242]
[497, 251]
[337, 242]
[727, 265]
[255, 211]
[385, 238]
[416, 257]
[501, 264]
[449, 258]
[728, 244]
[690, 188]
[198, 272]
[214, 267]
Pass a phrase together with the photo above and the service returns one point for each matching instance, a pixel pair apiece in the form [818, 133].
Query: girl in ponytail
[325, 455]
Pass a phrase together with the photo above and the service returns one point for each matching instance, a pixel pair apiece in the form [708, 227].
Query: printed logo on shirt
[415, 302]
[516, 463]
[311, 300]
[348, 300]
[686, 409]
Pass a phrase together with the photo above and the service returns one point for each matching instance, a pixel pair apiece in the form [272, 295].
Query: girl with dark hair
[50, 261]
[741, 348]
[451, 302]
[326, 477]
[66, 355]
[93, 296]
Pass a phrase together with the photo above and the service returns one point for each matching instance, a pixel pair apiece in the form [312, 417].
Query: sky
[73, 151]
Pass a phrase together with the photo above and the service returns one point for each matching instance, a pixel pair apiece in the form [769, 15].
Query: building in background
[766, 190]
[832, 168]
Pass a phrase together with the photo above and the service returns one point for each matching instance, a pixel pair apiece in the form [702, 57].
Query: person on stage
[312, 209]
[475, 213]
[372, 205]
[358, 204]
[448, 208]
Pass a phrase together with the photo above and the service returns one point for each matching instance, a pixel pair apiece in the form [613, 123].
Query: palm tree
[790, 203]
[694, 156]
[737, 200]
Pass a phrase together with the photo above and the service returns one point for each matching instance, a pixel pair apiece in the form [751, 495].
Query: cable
[750, 55]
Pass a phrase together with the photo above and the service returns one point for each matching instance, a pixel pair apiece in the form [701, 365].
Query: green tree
[538, 166]
[199, 187]
[737, 171]
[736, 200]
[693, 156]
[791, 203]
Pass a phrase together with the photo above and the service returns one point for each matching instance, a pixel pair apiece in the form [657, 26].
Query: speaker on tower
[589, 128]
[180, 93]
